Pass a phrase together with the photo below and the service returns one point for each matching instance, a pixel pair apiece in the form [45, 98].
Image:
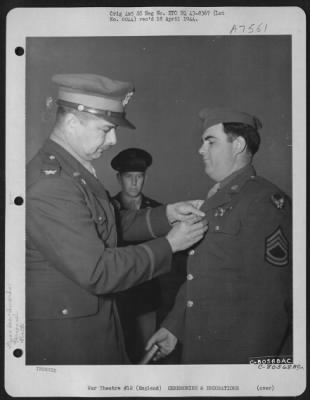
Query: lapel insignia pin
[235, 188]
[219, 212]
[50, 171]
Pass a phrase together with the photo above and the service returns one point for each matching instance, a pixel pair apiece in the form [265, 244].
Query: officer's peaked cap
[95, 94]
[214, 116]
[132, 159]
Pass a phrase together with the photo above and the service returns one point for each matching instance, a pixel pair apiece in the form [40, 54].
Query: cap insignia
[127, 98]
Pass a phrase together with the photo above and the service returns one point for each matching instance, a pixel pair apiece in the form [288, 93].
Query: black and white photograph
[155, 206]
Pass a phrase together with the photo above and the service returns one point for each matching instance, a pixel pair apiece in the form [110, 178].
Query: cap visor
[120, 121]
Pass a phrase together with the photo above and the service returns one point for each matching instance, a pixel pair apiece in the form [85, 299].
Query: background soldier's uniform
[73, 267]
[236, 303]
[138, 305]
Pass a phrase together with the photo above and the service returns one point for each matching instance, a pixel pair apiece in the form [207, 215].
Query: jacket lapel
[74, 168]
[230, 189]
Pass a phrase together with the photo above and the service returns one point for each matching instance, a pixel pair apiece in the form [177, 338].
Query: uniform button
[190, 303]
[100, 218]
[190, 277]
[65, 311]
[52, 157]
[217, 228]
[191, 252]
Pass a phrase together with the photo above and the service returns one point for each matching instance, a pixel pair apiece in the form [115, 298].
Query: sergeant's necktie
[214, 189]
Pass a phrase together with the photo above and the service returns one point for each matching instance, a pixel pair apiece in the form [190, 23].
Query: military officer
[73, 264]
[237, 301]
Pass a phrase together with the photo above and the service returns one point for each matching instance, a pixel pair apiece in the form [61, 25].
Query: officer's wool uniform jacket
[236, 302]
[73, 266]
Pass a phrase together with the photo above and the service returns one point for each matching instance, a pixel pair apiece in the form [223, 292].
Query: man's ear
[118, 176]
[71, 121]
[239, 145]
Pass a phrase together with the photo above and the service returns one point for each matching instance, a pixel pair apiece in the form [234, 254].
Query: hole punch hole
[18, 201]
[19, 51]
[17, 353]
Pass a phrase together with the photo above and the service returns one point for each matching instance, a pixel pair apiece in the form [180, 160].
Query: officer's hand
[165, 341]
[185, 234]
[183, 210]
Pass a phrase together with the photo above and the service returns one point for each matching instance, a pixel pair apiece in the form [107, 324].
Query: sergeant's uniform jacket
[73, 265]
[236, 303]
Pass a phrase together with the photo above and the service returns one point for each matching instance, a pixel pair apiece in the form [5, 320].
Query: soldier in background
[137, 306]
[142, 308]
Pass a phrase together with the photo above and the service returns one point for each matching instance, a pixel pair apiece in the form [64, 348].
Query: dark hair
[250, 134]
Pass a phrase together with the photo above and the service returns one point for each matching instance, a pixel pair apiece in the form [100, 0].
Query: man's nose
[202, 149]
[111, 137]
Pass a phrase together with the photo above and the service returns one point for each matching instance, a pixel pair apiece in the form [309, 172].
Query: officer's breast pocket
[101, 223]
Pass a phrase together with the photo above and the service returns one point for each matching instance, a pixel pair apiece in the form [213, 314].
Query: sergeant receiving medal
[237, 301]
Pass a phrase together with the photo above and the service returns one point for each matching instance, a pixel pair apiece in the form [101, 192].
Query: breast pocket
[101, 222]
[224, 221]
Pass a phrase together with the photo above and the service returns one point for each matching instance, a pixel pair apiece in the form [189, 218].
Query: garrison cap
[214, 116]
[133, 159]
[95, 94]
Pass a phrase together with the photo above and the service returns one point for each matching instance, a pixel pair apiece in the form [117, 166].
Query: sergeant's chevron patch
[277, 248]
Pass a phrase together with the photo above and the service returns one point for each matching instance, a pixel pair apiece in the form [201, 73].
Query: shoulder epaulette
[50, 165]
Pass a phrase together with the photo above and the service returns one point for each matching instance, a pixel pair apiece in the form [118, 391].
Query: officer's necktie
[214, 189]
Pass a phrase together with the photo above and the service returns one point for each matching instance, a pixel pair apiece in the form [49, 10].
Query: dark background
[175, 77]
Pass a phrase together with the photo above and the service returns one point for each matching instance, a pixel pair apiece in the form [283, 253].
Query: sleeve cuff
[157, 221]
[160, 255]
